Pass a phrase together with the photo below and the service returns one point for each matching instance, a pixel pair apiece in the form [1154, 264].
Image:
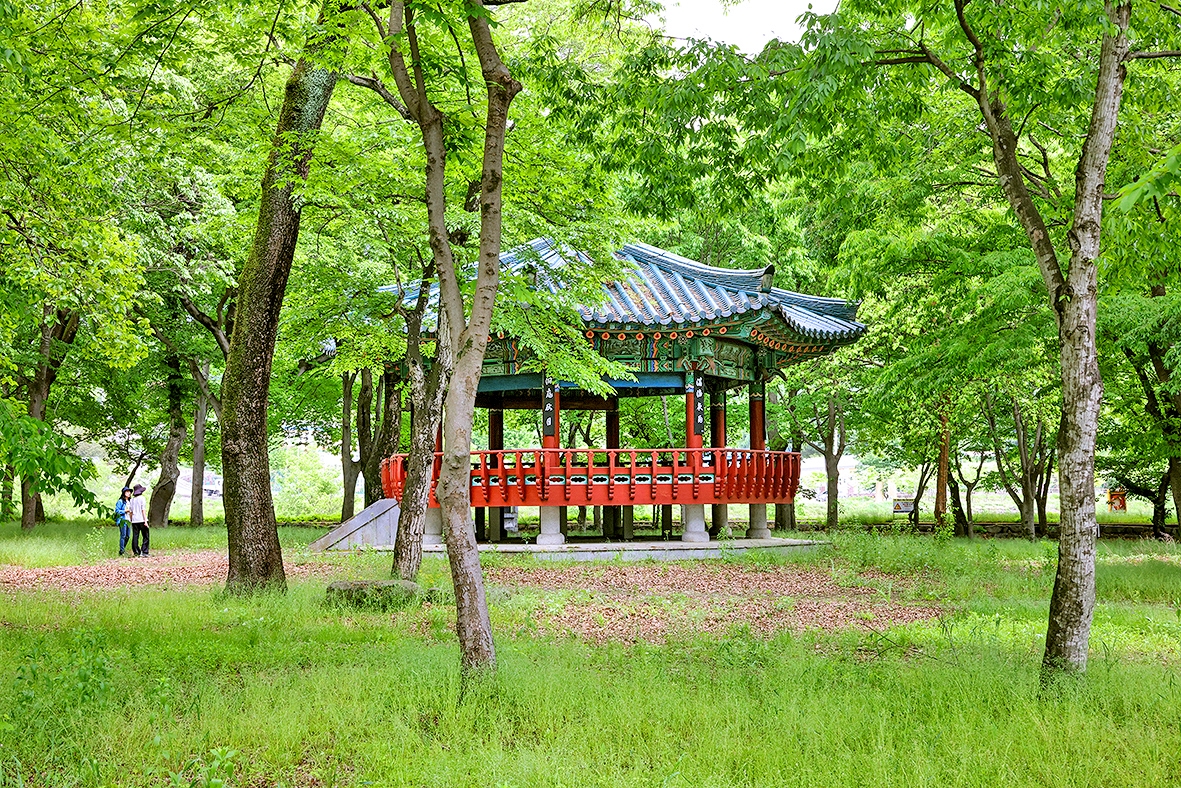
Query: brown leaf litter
[180, 568]
[651, 602]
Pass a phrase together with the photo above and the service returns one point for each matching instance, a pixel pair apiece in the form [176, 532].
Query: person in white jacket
[138, 514]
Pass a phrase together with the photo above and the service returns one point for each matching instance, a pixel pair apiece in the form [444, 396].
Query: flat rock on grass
[376, 594]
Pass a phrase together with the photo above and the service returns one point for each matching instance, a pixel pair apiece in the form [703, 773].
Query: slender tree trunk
[255, 556]
[472, 623]
[1072, 604]
[30, 500]
[468, 330]
[1160, 509]
[139, 461]
[1042, 493]
[350, 468]
[833, 487]
[426, 391]
[925, 471]
[165, 488]
[384, 436]
[58, 329]
[941, 474]
[957, 508]
[1175, 486]
[197, 500]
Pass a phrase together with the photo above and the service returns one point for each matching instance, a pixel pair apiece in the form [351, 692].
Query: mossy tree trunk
[255, 557]
[58, 330]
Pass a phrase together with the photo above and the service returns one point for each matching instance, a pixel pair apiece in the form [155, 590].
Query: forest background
[134, 136]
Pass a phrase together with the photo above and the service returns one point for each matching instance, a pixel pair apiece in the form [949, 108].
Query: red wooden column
[758, 442]
[551, 516]
[550, 408]
[612, 516]
[720, 515]
[694, 410]
[495, 443]
[693, 514]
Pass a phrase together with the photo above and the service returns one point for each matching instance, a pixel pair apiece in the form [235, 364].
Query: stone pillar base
[758, 522]
[551, 526]
[433, 532]
[693, 526]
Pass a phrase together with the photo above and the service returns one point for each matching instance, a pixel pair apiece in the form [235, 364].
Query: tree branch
[378, 87]
[1153, 55]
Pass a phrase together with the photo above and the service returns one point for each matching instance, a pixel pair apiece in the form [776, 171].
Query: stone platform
[674, 550]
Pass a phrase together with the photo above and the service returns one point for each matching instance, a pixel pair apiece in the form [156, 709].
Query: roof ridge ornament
[768, 278]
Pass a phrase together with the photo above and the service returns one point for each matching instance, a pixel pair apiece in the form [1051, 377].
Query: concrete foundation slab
[641, 551]
[374, 526]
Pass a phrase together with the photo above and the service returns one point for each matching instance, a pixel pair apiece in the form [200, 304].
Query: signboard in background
[903, 505]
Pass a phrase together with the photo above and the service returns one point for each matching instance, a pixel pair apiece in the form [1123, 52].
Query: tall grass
[127, 687]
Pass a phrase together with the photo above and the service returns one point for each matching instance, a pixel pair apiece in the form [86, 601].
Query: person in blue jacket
[122, 518]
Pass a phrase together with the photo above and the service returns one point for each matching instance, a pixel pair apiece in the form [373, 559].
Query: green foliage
[44, 457]
[303, 485]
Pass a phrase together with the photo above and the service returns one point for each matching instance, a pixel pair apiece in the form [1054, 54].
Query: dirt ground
[651, 602]
[594, 602]
[180, 568]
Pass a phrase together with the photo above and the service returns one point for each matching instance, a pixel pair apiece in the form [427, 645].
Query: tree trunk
[350, 468]
[1042, 494]
[925, 471]
[1160, 509]
[1027, 509]
[28, 505]
[833, 473]
[30, 500]
[1072, 604]
[384, 435]
[197, 500]
[1175, 486]
[962, 526]
[941, 474]
[468, 334]
[59, 327]
[427, 391]
[165, 488]
[472, 623]
[255, 556]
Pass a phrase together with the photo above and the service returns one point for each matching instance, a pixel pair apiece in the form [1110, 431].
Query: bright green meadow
[187, 686]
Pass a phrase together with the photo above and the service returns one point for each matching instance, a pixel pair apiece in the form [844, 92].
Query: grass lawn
[185, 686]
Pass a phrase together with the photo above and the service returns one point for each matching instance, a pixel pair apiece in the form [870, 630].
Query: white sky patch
[748, 24]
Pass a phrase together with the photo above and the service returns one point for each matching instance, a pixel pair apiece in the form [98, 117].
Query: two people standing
[132, 517]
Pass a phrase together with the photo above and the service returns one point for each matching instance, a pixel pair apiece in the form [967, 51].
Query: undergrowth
[192, 687]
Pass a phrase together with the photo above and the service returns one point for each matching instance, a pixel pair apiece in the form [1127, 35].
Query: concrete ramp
[376, 526]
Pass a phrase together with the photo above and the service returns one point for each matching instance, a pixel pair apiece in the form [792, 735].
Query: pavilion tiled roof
[664, 289]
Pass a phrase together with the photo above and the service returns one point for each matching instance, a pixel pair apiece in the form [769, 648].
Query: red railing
[618, 477]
